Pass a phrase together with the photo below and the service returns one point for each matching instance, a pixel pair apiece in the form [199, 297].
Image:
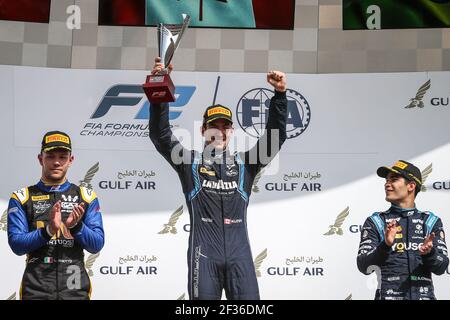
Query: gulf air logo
[130, 95]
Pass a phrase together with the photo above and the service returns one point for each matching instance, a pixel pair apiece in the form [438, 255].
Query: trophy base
[159, 88]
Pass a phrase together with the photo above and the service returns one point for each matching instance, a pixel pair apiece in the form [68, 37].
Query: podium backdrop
[340, 128]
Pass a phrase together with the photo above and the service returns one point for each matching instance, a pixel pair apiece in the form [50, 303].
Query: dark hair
[69, 151]
[417, 189]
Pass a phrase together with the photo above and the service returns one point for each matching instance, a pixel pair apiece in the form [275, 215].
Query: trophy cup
[159, 87]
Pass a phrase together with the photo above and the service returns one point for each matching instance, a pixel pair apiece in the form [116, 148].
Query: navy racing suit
[217, 188]
[405, 274]
[55, 266]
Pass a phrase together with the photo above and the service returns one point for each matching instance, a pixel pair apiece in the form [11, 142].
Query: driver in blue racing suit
[53, 222]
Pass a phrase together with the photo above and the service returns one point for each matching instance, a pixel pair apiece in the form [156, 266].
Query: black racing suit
[405, 274]
[217, 188]
[55, 266]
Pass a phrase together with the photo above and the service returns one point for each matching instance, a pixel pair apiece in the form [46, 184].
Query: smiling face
[218, 133]
[399, 190]
[55, 164]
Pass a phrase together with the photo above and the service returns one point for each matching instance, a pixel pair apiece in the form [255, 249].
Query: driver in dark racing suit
[217, 187]
[404, 244]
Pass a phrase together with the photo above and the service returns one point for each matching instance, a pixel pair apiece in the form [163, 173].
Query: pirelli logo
[219, 110]
[57, 137]
[400, 165]
[40, 198]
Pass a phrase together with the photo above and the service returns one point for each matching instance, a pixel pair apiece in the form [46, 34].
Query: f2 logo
[129, 95]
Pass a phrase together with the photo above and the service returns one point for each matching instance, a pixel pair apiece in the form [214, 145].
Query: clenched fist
[277, 79]
[158, 67]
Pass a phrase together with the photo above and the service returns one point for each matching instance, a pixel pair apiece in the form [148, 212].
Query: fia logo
[253, 109]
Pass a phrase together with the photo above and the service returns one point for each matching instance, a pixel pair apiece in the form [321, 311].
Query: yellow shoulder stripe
[21, 195]
[88, 195]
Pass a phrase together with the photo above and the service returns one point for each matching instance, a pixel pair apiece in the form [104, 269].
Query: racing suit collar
[404, 212]
[53, 188]
[217, 157]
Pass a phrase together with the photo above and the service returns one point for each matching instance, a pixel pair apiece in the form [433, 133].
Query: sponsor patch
[57, 137]
[401, 165]
[40, 224]
[219, 110]
[41, 207]
[208, 172]
[48, 260]
[231, 221]
[40, 198]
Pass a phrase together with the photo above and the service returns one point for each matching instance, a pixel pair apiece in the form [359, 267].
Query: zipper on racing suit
[222, 175]
[56, 255]
[408, 256]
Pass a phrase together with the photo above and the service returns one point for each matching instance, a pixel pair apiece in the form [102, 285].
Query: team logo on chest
[419, 229]
[231, 170]
[68, 202]
[41, 203]
[41, 206]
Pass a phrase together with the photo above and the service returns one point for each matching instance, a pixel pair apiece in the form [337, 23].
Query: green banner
[204, 13]
[395, 14]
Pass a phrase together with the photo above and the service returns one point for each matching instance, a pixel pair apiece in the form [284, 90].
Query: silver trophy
[169, 37]
[160, 88]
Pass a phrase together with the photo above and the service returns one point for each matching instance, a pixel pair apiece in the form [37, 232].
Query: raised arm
[160, 133]
[274, 135]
